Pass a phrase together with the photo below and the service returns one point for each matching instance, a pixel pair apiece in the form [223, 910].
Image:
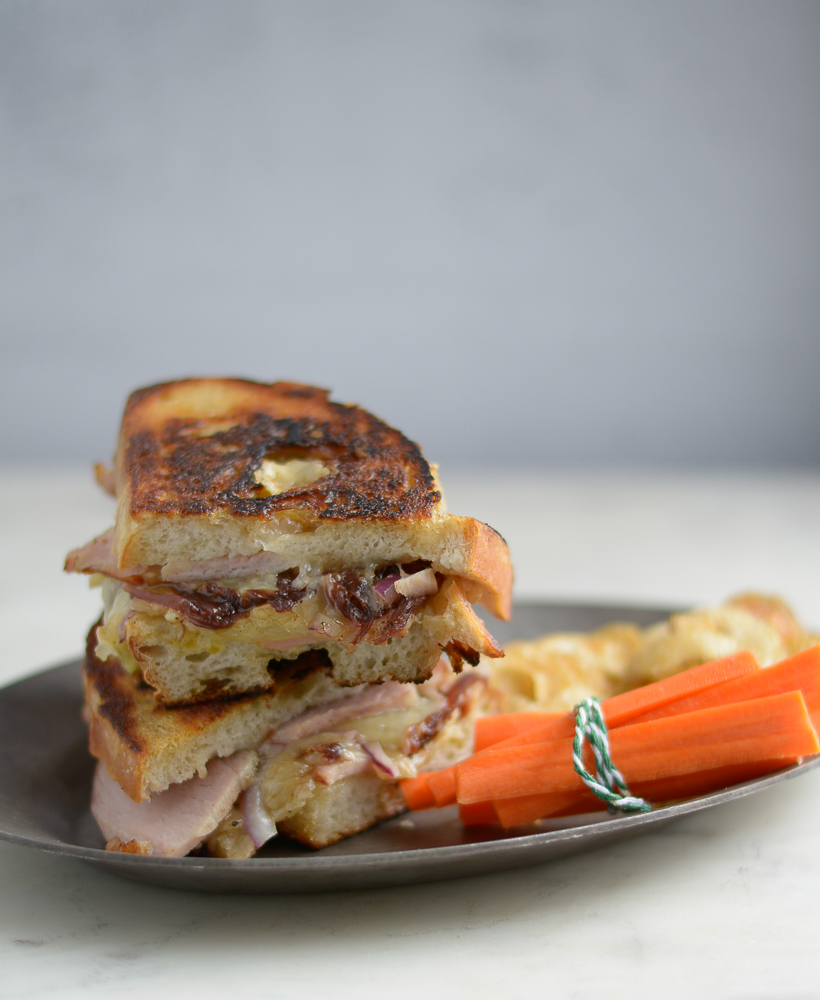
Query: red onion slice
[259, 825]
[381, 761]
[122, 624]
[386, 589]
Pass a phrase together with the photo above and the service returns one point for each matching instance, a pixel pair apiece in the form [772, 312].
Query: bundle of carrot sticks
[706, 728]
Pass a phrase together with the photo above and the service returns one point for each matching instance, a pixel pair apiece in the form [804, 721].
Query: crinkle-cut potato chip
[764, 625]
[555, 672]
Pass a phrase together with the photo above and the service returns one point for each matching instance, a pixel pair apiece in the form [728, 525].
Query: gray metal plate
[45, 781]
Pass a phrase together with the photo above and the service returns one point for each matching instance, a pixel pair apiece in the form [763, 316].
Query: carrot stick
[417, 793]
[688, 786]
[797, 673]
[763, 729]
[490, 729]
[442, 785]
[528, 808]
[624, 708]
[430, 789]
[621, 709]
[477, 814]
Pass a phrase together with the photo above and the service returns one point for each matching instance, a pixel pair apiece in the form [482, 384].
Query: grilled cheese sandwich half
[258, 522]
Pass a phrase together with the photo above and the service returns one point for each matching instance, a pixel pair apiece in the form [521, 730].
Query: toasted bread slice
[192, 448]
[215, 469]
[297, 744]
[185, 664]
[146, 747]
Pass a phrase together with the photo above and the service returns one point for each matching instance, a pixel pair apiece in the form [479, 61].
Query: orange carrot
[621, 709]
[528, 808]
[490, 729]
[477, 814]
[688, 786]
[417, 793]
[624, 708]
[797, 673]
[763, 729]
[442, 785]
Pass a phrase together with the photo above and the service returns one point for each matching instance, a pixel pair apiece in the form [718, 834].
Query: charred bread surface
[187, 478]
[192, 447]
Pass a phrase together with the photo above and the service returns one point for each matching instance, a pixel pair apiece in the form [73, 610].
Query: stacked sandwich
[279, 587]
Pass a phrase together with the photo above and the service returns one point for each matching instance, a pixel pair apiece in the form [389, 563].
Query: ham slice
[194, 570]
[177, 602]
[175, 821]
[358, 761]
[373, 700]
[98, 557]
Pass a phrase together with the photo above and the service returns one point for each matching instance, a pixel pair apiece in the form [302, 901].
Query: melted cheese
[289, 778]
[279, 477]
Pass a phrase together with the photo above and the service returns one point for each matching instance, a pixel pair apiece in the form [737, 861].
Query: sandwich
[288, 618]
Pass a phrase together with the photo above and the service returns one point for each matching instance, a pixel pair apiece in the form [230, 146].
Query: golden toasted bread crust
[190, 474]
[192, 447]
[142, 743]
[489, 565]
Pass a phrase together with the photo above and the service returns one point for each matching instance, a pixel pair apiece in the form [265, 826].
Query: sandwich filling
[194, 639]
[369, 738]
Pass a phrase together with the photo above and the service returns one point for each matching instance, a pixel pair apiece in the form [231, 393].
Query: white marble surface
[721, 904]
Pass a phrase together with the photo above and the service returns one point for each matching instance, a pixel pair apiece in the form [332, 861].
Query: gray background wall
[568, 233]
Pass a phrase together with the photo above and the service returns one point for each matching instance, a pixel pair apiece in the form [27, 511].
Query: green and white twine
[607, 782]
